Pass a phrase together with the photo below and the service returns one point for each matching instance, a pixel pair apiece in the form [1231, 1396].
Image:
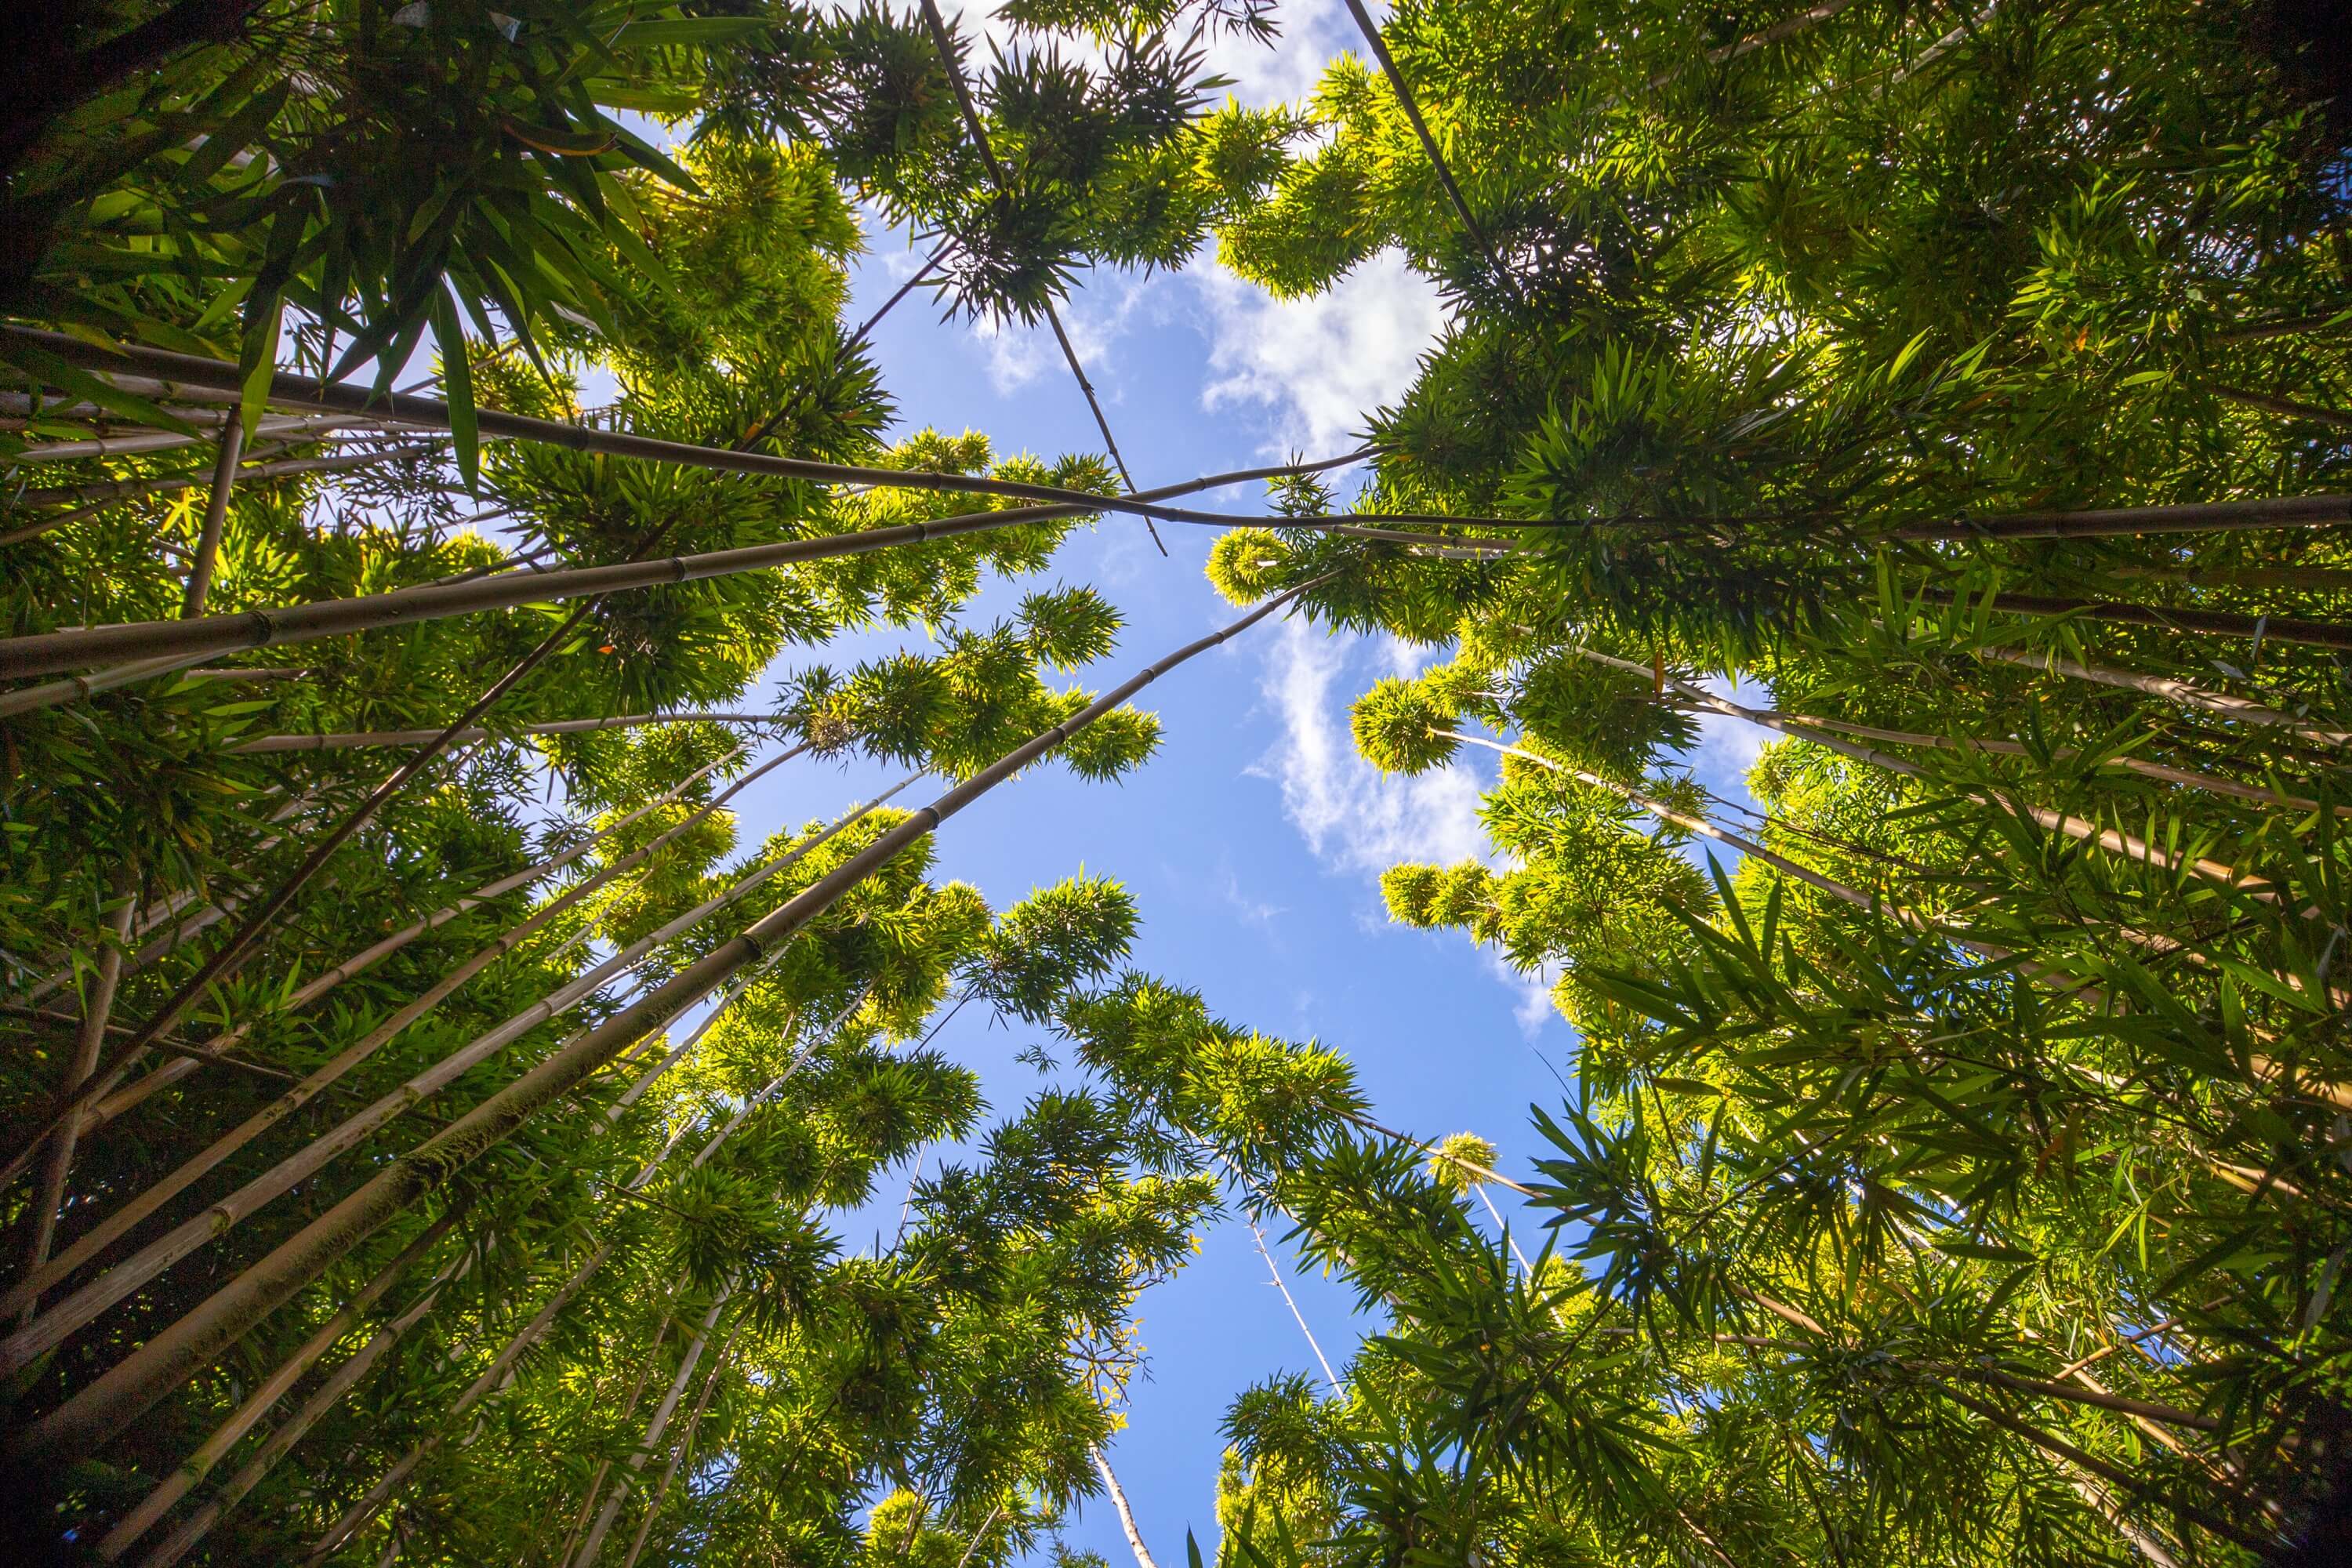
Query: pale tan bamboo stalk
[265, 1395]
[605, 1466]
[166, 1250]
[148, 641]
[109, 492]
[122, 1100]
[1292, 1302]
[2185, 693]
[96, 1413]
[57, 1149]
[163, 1190]
[297, 1427]
[634, 1464]
[682, 1449]
[1126, 1514]
[208, 541]
[80, 687]
[161, 441]
[553, 727]
[2165, 773]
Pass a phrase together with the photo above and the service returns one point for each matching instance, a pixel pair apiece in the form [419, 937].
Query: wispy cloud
[1317, 366]
[1354, 818]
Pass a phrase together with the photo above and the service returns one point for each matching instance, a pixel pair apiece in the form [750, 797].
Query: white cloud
[1319, 365]
[1354, 818]
[1312, 33]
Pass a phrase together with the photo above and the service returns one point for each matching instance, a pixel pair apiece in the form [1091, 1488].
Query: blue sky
[1255, 840]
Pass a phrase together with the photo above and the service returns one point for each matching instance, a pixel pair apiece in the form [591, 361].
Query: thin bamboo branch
[2288, 406]
[102, 1408]
[1429, 146]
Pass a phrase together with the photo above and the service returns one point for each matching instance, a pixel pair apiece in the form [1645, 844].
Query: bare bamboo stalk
[157, 1194]
[2185, 693]
[305, 426]
[58, 1151]
[1290, 1301]
[264, 1395]
[634, 1464]
[113, 490]
[1118, 1502]
[101, 1410]
[150, 1261]
[81, 687]
[2187, 778]
[150, 641]
[208, 541]
[681, 1450]
[297, 1427]
[348, 739]
[2169, 617]
[604, 1466]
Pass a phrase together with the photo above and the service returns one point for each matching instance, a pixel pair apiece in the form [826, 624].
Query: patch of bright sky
[1255, 840]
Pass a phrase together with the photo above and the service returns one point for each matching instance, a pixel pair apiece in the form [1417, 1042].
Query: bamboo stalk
[351, 739]
[1429, 146]
[153, 1197]
[264, 1395]
[111, 490]
[978, 131]
[308, 425]
[355, 1517]
[151, 1260]
[208, 541]
[1118, 1502]
[683, 1449]
[58, 1151]
[2187, 778]
[101, 1410]
[2167, 618]
[2185, 693]
[49, 652]
[634, 1464]
[297, 1426]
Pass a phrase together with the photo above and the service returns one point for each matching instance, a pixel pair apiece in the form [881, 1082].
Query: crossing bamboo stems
[264, 1397]
[144, 1266]
[157, 1194]
[57, 1149]
[99, 1411]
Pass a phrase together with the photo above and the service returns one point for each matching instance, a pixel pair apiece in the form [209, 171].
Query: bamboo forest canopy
[446, 478]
